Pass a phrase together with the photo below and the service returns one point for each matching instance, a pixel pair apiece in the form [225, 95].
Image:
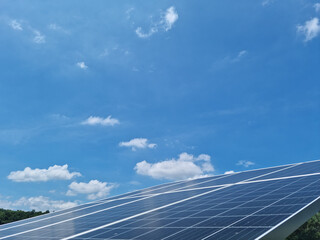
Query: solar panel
[267, 203]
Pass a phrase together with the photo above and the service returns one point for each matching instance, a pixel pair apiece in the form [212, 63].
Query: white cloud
[229, 172]
[138, 143]
[317, 7]
[245, 163]
[310, 29]
[38, 37]
[171, 16]
[129, 12]
[16, 25]
[94, 189]
[38, 203]
[82, 65]
[240, 55]
[55, 27]
[42, 203]
[109, 121]
[186, 166]
[134, 183]
[164, 24]
[141, 34]
[55, 172]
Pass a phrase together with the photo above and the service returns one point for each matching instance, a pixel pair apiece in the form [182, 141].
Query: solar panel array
[258, 204]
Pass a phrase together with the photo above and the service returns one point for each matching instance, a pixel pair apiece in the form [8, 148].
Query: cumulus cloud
[170, 17]
[109, 121]
[310, 29]
[94, 189]
[137, 143]
[55, 172]
[38, 37]
[82, 65]
[245, 163]
[229, 172]
[186, 166]
[39, 203]
[166, 22]
[16, 25]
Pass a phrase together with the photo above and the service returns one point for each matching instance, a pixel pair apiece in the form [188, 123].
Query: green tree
[7, 216]
[308, 231]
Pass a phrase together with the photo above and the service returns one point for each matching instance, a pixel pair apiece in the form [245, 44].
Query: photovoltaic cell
[246, 205]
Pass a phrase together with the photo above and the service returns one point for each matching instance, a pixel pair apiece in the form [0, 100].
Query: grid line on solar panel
[208, 219]
[31, 220]
[274, 227]
[56, 215]
[193, 226]
[127, 212]
[252, 182]
[155, 188]
[225, 186]
[140, 214]
[139, 224]
[246, 182]
[300, 169]
[246, 176]
[264, 208]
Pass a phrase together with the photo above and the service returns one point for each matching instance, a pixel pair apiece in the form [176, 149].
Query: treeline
[7, 216]
[308, 231]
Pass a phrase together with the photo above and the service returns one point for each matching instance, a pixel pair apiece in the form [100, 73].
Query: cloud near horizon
[93, 189]
[185, 167]
[55, 172]
[38, 203]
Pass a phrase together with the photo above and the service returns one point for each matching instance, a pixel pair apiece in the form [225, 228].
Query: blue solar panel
[246, 205]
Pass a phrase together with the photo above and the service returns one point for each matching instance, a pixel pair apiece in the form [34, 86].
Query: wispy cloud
[138, 143]
[82, 65]
[93, 189]
[310, 29]
[56, 27]
[240, 55]
[55, 172]
[38, 37]
[230, 59]
[165, 23]
[245, 163]
[229, 172]
[267, 2]
[109, 121]
[141, 34]
[129, 12]
[317, 7]
[15, 25]
[186, 166]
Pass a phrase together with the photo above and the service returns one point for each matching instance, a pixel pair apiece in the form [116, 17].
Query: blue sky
[100, 98]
